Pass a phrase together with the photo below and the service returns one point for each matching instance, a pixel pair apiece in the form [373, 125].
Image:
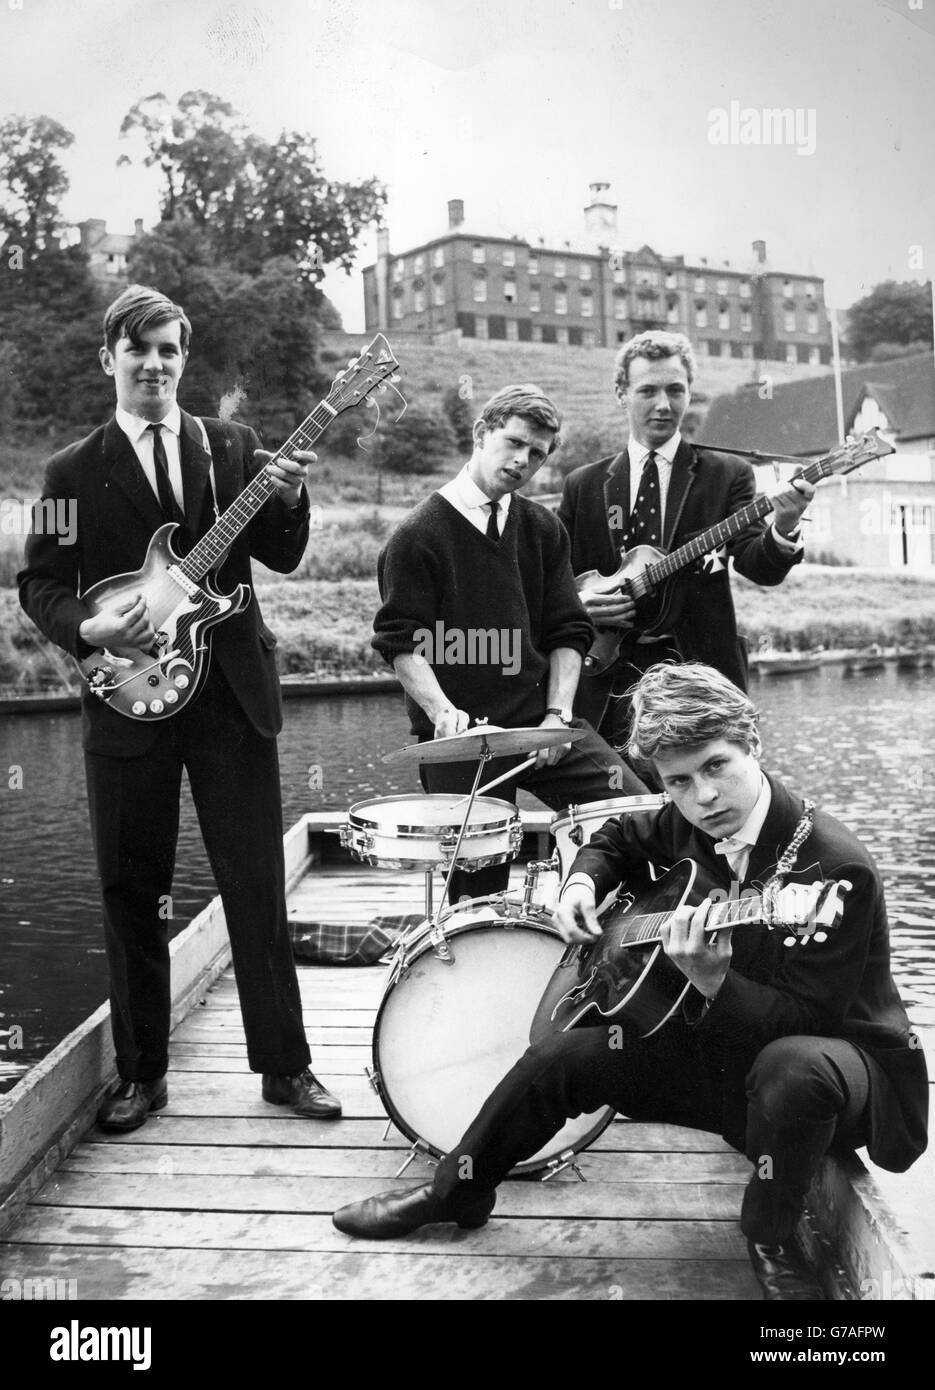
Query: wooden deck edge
[52, 1107]
[850, 1234]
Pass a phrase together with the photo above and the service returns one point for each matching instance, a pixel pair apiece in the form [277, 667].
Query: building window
[702, 347]
[648, 278]
[814, 356]
[480, 327]
[398, 308]
[512, 330]
[584, 270]
[672, 311]
[533, 265]
[722, 287]
[788, 320]
[811, 321]
[587, 306]
[620, 307]
[701, 316]
[561, 302]
[509, 255]
[620, 276]
[672, 280]
[723, 319]
[535, 301]
[787, 289]
[399, 270]
[745, 290]
[537, 332]
[418, 265]
[746, 350]
[509, 291]
[480, 290]
[588, 338]
[418, 301]
[746, 321]
[559, 268]
[438, 294]
[791, 354]
[699, 284]
[725, 349]
[478, 254]
[561, 336]
[438, 257]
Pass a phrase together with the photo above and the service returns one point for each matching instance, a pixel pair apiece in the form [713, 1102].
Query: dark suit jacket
[117, 513]
[705, 488]
[839, 988]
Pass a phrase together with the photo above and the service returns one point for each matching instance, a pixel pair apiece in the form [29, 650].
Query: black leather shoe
[399, 1213]
[303, 1092]
[129, 1107]
[782, 1274]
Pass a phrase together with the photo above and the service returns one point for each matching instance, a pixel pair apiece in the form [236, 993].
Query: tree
[421, 442]
[892, 313]
[461, 418]
[256, 200]
[33, 180]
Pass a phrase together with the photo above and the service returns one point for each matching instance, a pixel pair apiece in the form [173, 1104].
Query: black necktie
[170, 508]
[646, 518]
[493, 530]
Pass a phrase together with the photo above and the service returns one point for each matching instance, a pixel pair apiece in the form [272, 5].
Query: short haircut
[138, 309]
[529, 403]
[685, 706]
[654, 345]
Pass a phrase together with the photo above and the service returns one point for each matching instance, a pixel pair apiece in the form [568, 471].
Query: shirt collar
[134, 426]
[667, 451]
[472, 496]
[749, 832]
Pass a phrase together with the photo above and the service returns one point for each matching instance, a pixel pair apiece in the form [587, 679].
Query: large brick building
[483, 286]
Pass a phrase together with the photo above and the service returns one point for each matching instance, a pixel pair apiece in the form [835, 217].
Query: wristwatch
[564, 714]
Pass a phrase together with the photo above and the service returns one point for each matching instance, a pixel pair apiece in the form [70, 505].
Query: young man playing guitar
[784, 1051]
[126, 479]
[663, 491]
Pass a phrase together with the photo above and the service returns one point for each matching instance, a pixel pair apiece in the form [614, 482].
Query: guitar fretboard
[214, 543]
[646, 928]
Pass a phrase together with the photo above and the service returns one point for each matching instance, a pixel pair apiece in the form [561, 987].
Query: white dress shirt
[141, 437]
[473, 504]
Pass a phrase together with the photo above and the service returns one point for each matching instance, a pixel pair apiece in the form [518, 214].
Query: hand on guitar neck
[703, 956]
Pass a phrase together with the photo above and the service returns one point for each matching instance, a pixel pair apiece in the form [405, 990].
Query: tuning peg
[821, 936]
[789, 940]
[353, 362]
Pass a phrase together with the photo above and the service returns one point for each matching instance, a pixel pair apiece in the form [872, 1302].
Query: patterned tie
[170, 508]
[646, 518]
[493, 530]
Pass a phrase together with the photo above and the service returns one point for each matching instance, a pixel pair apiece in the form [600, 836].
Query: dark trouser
[134, 807]
[589, 771]
[604, 701]
[803, 1093]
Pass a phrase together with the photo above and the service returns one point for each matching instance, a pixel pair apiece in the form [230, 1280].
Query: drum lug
[440, 946]
[418, 1150]
[373, 1076]
[558, 1165]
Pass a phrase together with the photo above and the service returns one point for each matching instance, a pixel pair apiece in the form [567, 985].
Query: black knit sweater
[485, 615]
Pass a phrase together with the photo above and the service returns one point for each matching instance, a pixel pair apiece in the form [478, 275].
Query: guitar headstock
[855, 453]
[807, 910]
[373, 368]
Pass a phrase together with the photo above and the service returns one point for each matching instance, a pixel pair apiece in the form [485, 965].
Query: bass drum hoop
[420, 940]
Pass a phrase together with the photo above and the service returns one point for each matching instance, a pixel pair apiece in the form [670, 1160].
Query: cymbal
[464, 747]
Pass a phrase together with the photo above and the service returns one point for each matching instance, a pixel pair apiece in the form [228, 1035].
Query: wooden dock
[222, 1196]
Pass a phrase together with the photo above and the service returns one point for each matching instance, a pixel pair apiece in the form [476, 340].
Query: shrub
[423, 441]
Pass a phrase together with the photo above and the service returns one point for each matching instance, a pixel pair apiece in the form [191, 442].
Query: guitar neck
[645, 929]
[726, 530]
[216, 542]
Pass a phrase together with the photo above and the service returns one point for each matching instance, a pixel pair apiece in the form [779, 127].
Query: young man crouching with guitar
[784, 1051]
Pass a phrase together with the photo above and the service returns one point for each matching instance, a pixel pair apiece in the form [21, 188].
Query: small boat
[873, 659]
[768, 661]
[913, 658]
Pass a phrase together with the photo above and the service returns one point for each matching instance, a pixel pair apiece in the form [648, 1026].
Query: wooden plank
[195, 1036]
[373, 1274]
[197, 1159]
[676, 1240]
[686, 1201]
[339, 1061]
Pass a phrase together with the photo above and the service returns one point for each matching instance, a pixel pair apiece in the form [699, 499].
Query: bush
[460, 417]
[585, 444]
[423, 441]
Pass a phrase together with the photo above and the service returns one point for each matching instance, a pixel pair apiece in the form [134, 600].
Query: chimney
[455, 213]
[92, 229]
[759, 250]
[137, 226]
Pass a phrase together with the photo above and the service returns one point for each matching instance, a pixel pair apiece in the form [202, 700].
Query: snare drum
[574, 826]
[420, 832]
[456, 1015]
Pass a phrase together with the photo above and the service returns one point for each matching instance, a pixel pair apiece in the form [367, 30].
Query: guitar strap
[208, 450]
[786, 861]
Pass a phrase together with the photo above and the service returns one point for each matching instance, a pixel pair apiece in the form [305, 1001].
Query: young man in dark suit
[145, 466]
[783, 1051]
[663, 491]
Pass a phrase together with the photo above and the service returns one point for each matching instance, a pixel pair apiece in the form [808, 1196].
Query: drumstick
[504, 776]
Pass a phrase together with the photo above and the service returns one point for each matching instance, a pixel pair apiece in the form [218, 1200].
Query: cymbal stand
[436, 936]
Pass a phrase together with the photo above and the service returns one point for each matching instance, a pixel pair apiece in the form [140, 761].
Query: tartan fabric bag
[349, 943]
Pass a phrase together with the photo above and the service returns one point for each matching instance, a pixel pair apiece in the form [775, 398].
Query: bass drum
[448, 1031]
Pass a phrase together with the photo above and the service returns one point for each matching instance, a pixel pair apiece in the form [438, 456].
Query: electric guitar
[184, 604]
[647, 574]
[625, 974]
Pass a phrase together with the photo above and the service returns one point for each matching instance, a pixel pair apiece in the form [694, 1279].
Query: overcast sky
[516, 105]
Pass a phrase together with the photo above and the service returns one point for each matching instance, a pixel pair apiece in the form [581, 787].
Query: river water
[862, 746]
